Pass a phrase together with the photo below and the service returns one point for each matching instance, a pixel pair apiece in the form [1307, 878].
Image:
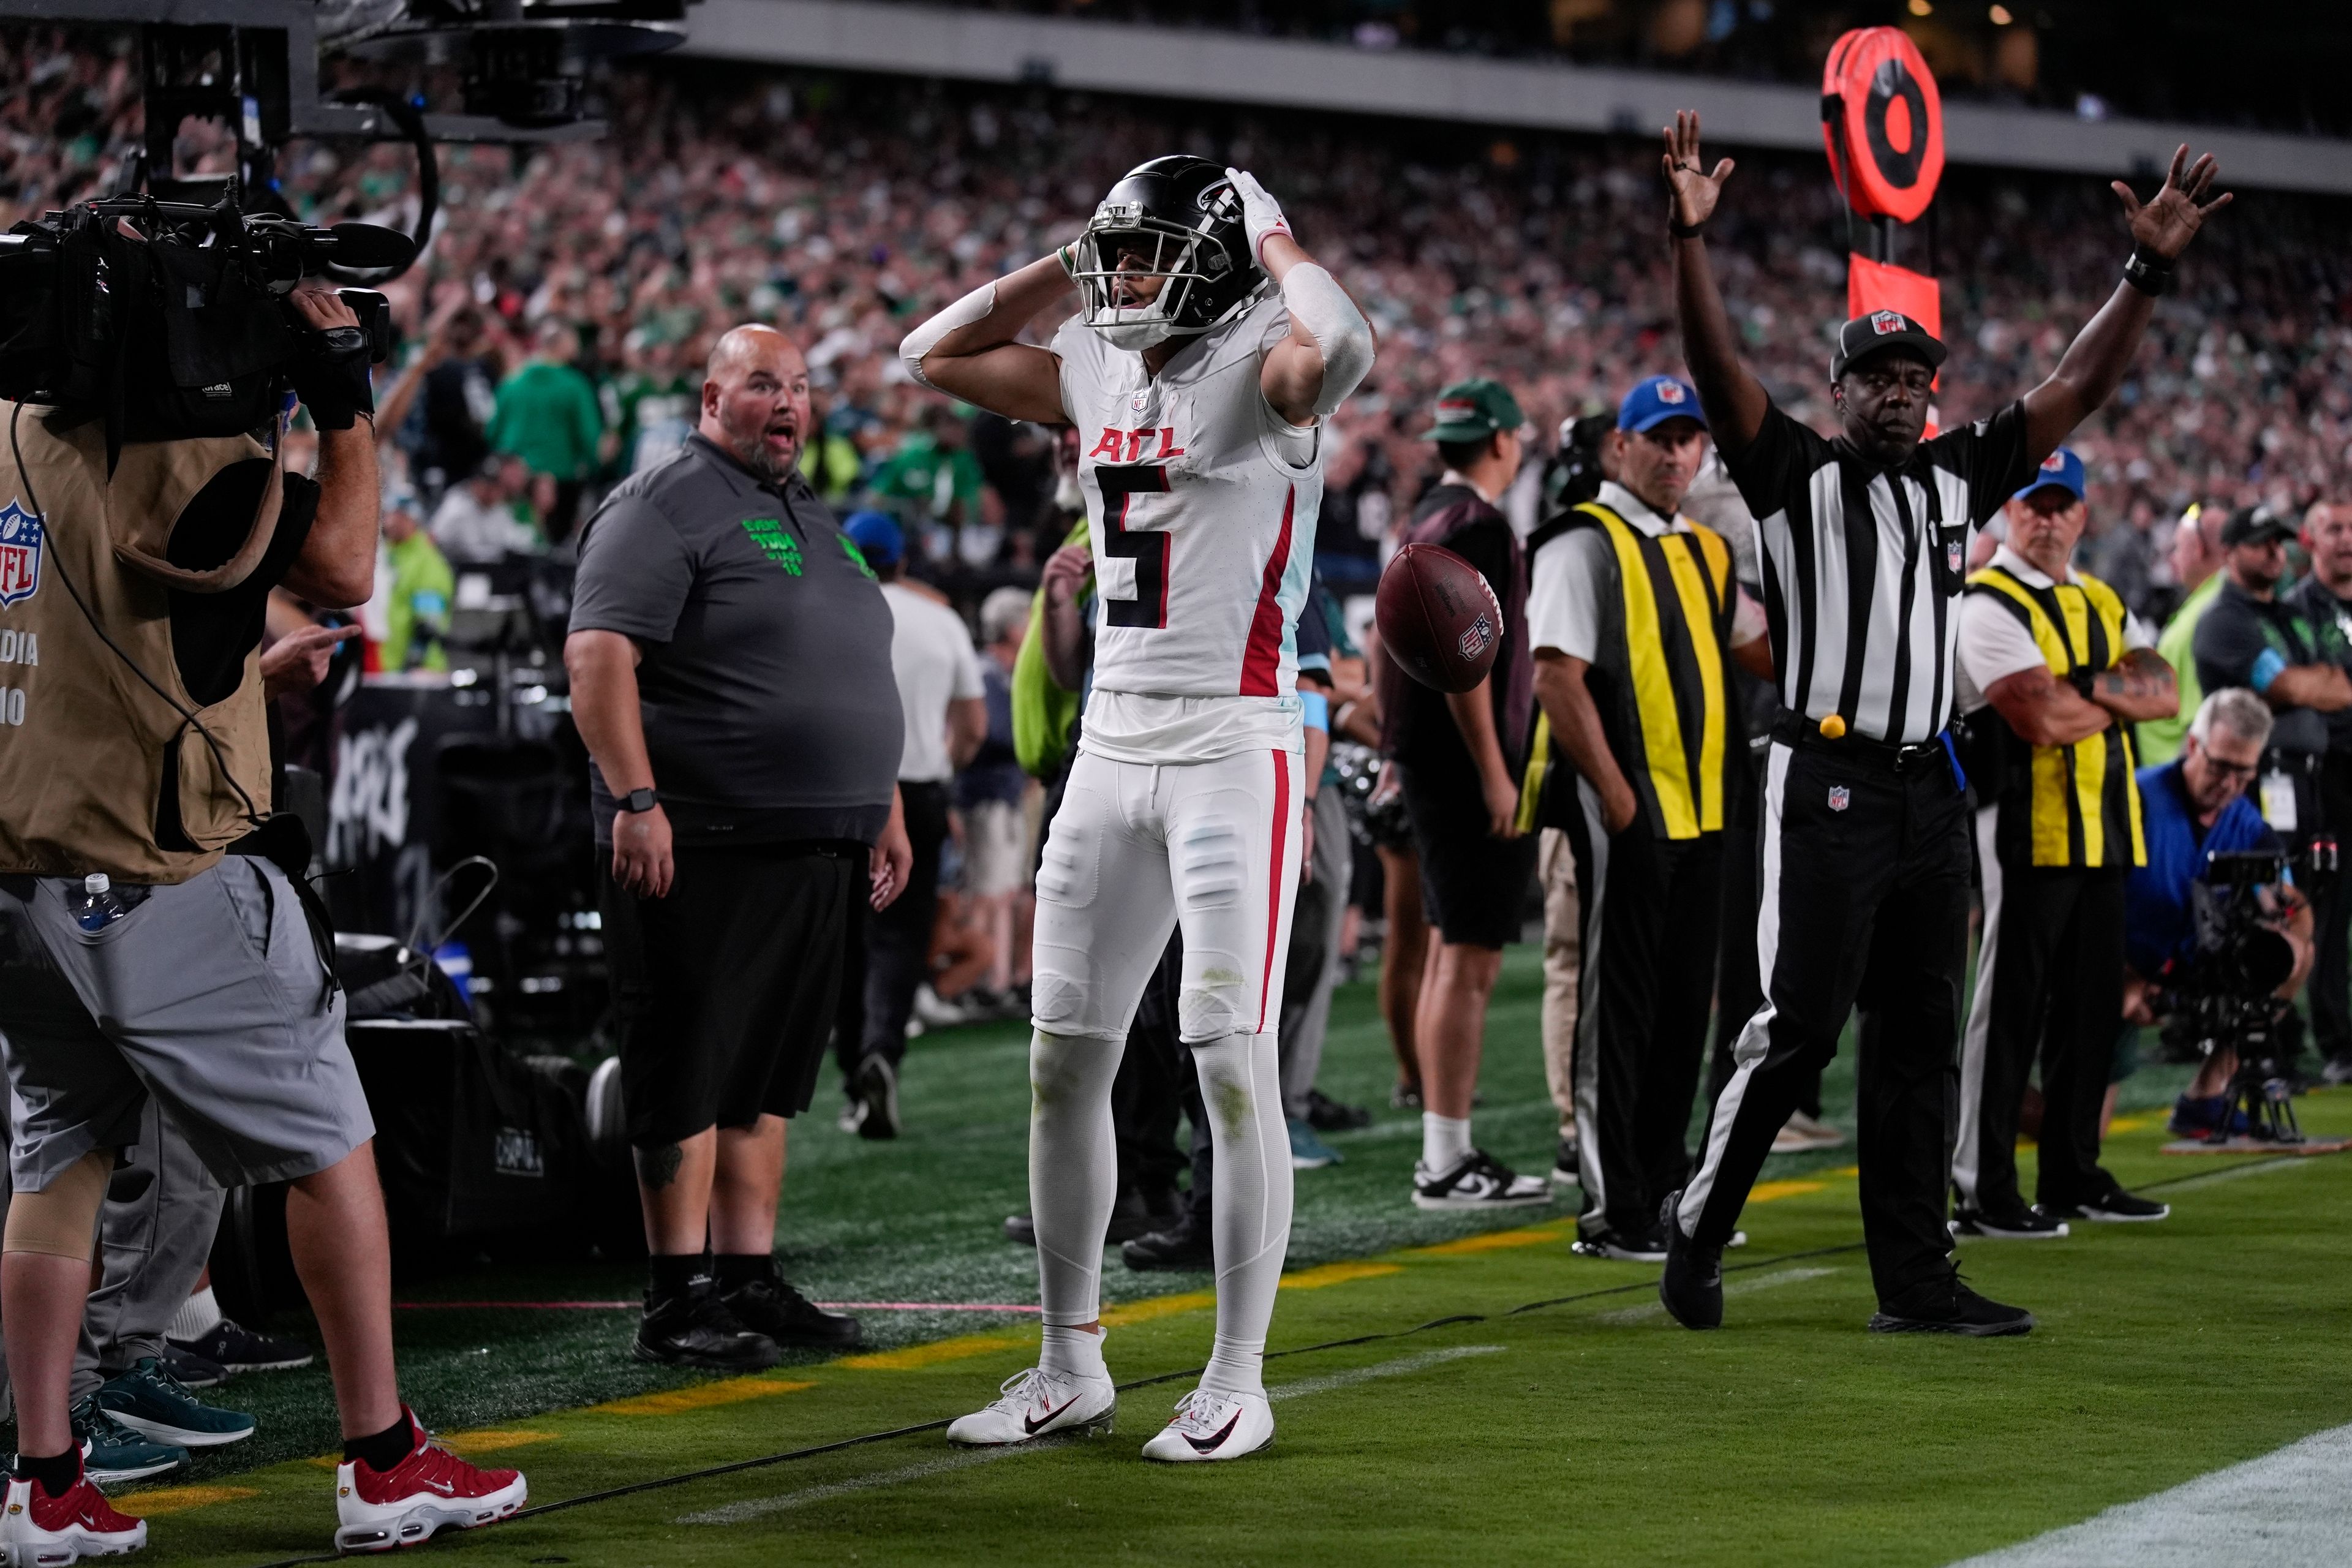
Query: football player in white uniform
[1207, 350]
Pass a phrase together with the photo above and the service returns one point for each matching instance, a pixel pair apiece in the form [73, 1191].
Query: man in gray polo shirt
[730, 655]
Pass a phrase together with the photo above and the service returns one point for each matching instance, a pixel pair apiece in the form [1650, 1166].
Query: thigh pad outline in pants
[1106, 906]
[1233, 848]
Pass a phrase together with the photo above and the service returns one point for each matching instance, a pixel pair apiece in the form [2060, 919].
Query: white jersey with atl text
[1202, 501]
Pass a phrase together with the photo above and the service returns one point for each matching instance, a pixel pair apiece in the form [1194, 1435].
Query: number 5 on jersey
[1148, 606]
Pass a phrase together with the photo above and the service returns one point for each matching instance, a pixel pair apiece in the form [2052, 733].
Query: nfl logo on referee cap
[1840, 798]
[1885, 322]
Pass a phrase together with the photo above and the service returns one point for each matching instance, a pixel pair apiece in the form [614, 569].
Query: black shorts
[726, 989]
[1474, 887]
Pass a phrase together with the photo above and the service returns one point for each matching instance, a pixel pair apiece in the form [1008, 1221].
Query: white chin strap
[1136, 336]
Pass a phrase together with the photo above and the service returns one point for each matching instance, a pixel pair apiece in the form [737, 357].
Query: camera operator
[194, 975]
[2192, 808]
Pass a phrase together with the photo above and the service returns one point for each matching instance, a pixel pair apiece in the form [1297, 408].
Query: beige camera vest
[83, 740]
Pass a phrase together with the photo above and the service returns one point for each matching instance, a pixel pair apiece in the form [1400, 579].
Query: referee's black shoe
[1946, 1306]
[769, 1306]
[694, 1328]
[1692, 1284]
[2019, 1224]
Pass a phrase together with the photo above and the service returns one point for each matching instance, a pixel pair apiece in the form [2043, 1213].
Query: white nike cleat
[1211, 1425]
[1034, 1403]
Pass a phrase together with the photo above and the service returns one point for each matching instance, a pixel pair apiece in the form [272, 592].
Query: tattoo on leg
[658, 1166]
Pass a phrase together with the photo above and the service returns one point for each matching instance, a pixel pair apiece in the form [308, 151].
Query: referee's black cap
[1876, 330]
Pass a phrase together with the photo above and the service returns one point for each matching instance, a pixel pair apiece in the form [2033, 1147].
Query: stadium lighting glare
[1922, 8]
[2000, 16]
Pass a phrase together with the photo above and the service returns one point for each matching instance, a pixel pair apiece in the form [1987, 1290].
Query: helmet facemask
[1124, 251]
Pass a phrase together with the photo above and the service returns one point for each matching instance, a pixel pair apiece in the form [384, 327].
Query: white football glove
[1261, 214]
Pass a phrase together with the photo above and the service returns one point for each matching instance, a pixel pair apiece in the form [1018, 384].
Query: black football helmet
[1177, 219]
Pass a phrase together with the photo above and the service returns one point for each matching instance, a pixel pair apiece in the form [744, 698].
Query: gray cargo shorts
[208, 994]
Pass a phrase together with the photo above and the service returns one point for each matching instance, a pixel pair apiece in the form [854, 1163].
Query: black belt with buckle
[1883, 755]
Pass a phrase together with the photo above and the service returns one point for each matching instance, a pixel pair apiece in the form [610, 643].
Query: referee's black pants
[2050, 975]
[1738, 985]
[1866, 903]
[1650, 908]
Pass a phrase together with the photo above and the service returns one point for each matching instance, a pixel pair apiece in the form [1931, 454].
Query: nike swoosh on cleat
[1203, 1445]
[1033, 1424]
[444, 1488]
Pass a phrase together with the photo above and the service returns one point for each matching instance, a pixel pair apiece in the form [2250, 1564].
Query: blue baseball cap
[1654, 401]
[2061, 469]
[877, 537]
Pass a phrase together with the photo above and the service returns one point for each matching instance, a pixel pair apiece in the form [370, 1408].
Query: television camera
[2225, 997]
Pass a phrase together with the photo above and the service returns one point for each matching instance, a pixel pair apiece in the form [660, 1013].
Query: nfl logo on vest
[20, 554]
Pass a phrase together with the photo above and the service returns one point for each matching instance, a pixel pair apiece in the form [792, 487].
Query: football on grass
[1438, 618]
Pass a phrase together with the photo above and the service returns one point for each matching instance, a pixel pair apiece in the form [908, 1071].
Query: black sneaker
[236, 1348]
[2020, 1224]
[2116, 1207]
[1325, 1114]
[1624, 1246]
[1948, 1306]
[1021, 1230]
[771, 1308]
[1692, 1285]
[193, 1370]
[696, 1330]
[1130, 1218]
[1565, 1170]
[1478, 1180]
[873, 1099]
[1405, 1097]
[1183, 1245]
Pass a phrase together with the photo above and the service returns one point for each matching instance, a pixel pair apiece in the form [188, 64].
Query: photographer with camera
[155, 938]
[2194, 809]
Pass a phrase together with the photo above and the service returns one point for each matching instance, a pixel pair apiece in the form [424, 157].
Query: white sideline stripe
[2290, 1509]
[1649, 1309]
[2215, 1178]
[759, 1508]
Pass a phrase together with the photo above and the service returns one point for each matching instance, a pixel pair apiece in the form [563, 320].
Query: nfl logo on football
[20, 554]
[1475, 636]
[1840, 798]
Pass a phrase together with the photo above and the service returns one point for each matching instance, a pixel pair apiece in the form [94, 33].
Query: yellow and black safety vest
[1658, 676]
[2068, 805]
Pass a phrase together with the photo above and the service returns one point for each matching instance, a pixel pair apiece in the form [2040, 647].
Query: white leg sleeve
[1073, 1170]
[1249, 1217]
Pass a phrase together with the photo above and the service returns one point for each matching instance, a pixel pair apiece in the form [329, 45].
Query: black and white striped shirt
[1863, 565]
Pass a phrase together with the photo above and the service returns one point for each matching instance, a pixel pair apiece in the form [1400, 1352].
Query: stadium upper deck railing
[1231, 68]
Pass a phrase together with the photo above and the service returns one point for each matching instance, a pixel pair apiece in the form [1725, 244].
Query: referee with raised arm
[1865, 823]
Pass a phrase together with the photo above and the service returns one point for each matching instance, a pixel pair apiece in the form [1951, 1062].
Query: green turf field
[1546, 1411]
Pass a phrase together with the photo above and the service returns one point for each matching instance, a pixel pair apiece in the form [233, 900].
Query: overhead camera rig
[253, 66]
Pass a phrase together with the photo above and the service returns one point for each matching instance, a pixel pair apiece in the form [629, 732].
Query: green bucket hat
[1472, 410]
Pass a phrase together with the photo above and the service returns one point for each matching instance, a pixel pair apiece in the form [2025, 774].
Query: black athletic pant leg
[1148, 1094]
[2028, 912]
[1623, 883]
[1739, 987]
[898, 939]
[1906, 1070]
[2086, 997]
[1677, 1050]
[1832, 833]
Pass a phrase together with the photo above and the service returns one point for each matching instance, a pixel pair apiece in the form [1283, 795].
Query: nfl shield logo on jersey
[20, 554]
[1953, 557]
[1840, 798]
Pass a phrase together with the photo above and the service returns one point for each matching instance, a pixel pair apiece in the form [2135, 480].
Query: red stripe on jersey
[1262, 658]
[1274, 873]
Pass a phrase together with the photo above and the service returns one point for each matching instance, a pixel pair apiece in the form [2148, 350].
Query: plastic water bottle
[100, 906]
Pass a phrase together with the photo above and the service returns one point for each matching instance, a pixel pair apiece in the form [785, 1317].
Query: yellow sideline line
[466, 1445]
[916, 1357]
[700, 1396]
[179, 1500]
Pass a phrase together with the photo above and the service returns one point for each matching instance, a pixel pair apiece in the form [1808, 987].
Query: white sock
[196, 1316]
[1074, 1351]
[1444, 1141]
[1072, 1171]
[1249, 1215]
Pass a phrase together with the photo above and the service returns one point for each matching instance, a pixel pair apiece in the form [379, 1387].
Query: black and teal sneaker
[152, 1403]
[114, 1452]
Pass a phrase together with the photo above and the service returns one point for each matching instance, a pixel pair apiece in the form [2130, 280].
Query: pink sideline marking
[635, 1306]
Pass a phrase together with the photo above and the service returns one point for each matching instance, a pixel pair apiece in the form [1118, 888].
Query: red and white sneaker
[430, 1490]
[38, 1531]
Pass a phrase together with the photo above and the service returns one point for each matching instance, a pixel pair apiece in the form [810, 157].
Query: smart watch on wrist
[638, 800]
